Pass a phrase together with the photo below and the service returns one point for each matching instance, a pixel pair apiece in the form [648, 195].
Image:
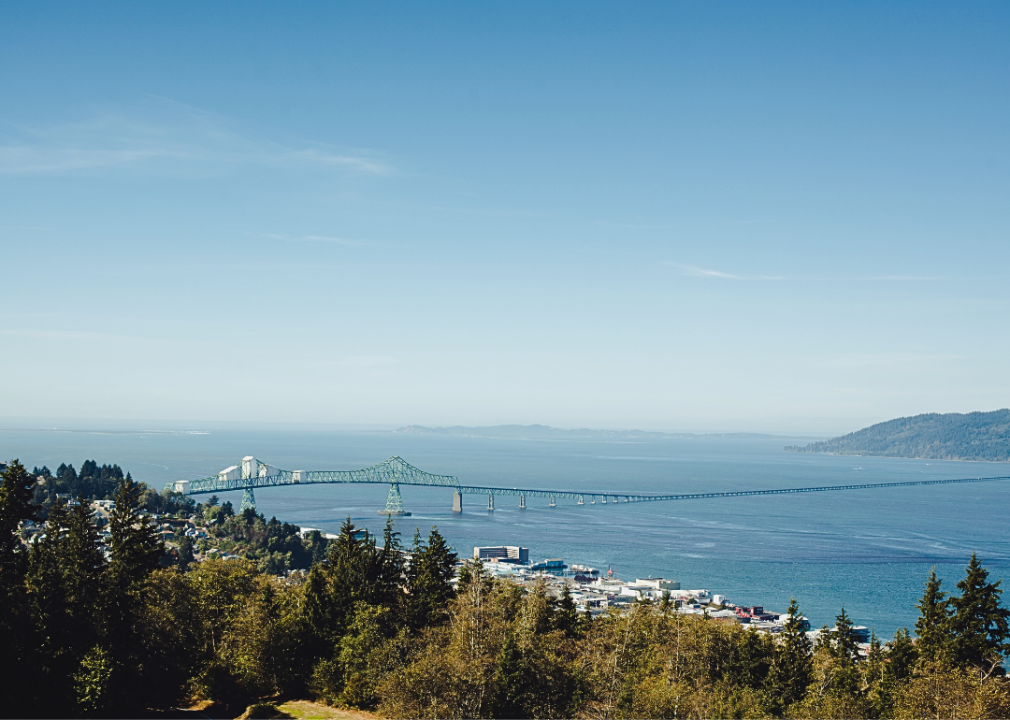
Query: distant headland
[980, 436]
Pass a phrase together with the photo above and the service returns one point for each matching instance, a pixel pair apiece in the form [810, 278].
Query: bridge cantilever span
[252, 474]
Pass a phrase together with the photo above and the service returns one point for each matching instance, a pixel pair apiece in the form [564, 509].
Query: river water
[867, 549]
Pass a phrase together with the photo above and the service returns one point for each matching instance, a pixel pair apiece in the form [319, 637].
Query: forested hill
[950, 436]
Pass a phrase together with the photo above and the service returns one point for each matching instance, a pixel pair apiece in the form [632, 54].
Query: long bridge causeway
[251, 474]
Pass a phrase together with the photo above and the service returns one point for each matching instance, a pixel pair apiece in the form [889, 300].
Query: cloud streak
[700, 272]
[315, 239]
[883, 359]
[164, 136]
[695, 271]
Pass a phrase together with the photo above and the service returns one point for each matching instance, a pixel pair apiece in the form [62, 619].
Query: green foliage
[429, 576]
[274, 547]
[16, 639]
[135, 544]
[933, 626]
[978, 623]
[792, 668]
[937, 690]
[93, 681]
[359, 655]
[100, 483]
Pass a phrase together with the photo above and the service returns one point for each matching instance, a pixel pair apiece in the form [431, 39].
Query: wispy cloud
[361, 164]
[80, 335]
[901, 278]
[165, 135]
[862, 360]
[695, 271]
[314, 239]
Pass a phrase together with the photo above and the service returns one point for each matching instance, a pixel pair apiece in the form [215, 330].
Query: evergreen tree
[566, 615]
[843, 646]
[933, 625]
[136, 552]
[666, 603]
[978, 623]
[135, 543]
[511, 681]
[186, 556]
[751, 660]
[846, 644]
[52, 660]
[793, 669]
[429, 579]
[886, 671]
[356, 570]
[83, 566]
[902, 654]
[16, 506]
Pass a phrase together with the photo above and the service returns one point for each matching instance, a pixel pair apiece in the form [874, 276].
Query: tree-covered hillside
[950, 436]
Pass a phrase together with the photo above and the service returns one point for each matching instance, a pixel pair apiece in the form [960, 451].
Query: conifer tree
[136, 551]
[902, 654]
[16, 506]
[978, 623]
[933, 625]
[844, 648]
[347, 578]
[511, 680]
[666, 604]
[44, 588]
[566, 615]
[844, 644]
[793, 669]
[83, 566]
[429, 580]
[135, 544]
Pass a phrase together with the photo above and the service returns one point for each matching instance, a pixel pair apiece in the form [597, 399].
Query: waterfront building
[503, 553]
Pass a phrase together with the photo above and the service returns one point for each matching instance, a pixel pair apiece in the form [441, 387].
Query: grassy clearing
[304, 710]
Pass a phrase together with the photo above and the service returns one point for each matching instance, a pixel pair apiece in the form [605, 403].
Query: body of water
[870, 550]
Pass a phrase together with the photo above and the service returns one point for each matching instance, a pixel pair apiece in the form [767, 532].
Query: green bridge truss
[251, 474]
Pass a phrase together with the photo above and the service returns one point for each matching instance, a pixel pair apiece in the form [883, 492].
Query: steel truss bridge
[252, 474]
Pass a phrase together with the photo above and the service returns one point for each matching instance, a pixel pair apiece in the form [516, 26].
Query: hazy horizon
[791, 428]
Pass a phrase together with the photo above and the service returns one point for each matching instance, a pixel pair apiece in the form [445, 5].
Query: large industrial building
[503, 553]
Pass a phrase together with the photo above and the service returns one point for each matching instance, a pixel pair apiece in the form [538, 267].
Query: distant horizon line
[785, 427]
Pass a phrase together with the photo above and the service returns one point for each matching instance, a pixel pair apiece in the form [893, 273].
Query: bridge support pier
[394, 503]
[457, 502]
[522, 502]
[248, 500]
[490, 502]
[581, 501]
[553, 504]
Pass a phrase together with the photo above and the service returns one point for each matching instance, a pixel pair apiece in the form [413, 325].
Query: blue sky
[709, 216]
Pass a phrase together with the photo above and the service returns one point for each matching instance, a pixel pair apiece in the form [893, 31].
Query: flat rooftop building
[659, 583]
[503, 553]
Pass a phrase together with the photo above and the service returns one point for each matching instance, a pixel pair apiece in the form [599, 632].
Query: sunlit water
[867, 549]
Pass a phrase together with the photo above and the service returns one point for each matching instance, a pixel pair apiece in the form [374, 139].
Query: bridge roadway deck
[649, 497]
[395, 471]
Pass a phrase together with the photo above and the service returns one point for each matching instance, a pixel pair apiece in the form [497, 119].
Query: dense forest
[950, 436]
[108, 630]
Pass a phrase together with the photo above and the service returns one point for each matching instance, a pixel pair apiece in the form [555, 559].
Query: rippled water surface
[868, 549]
